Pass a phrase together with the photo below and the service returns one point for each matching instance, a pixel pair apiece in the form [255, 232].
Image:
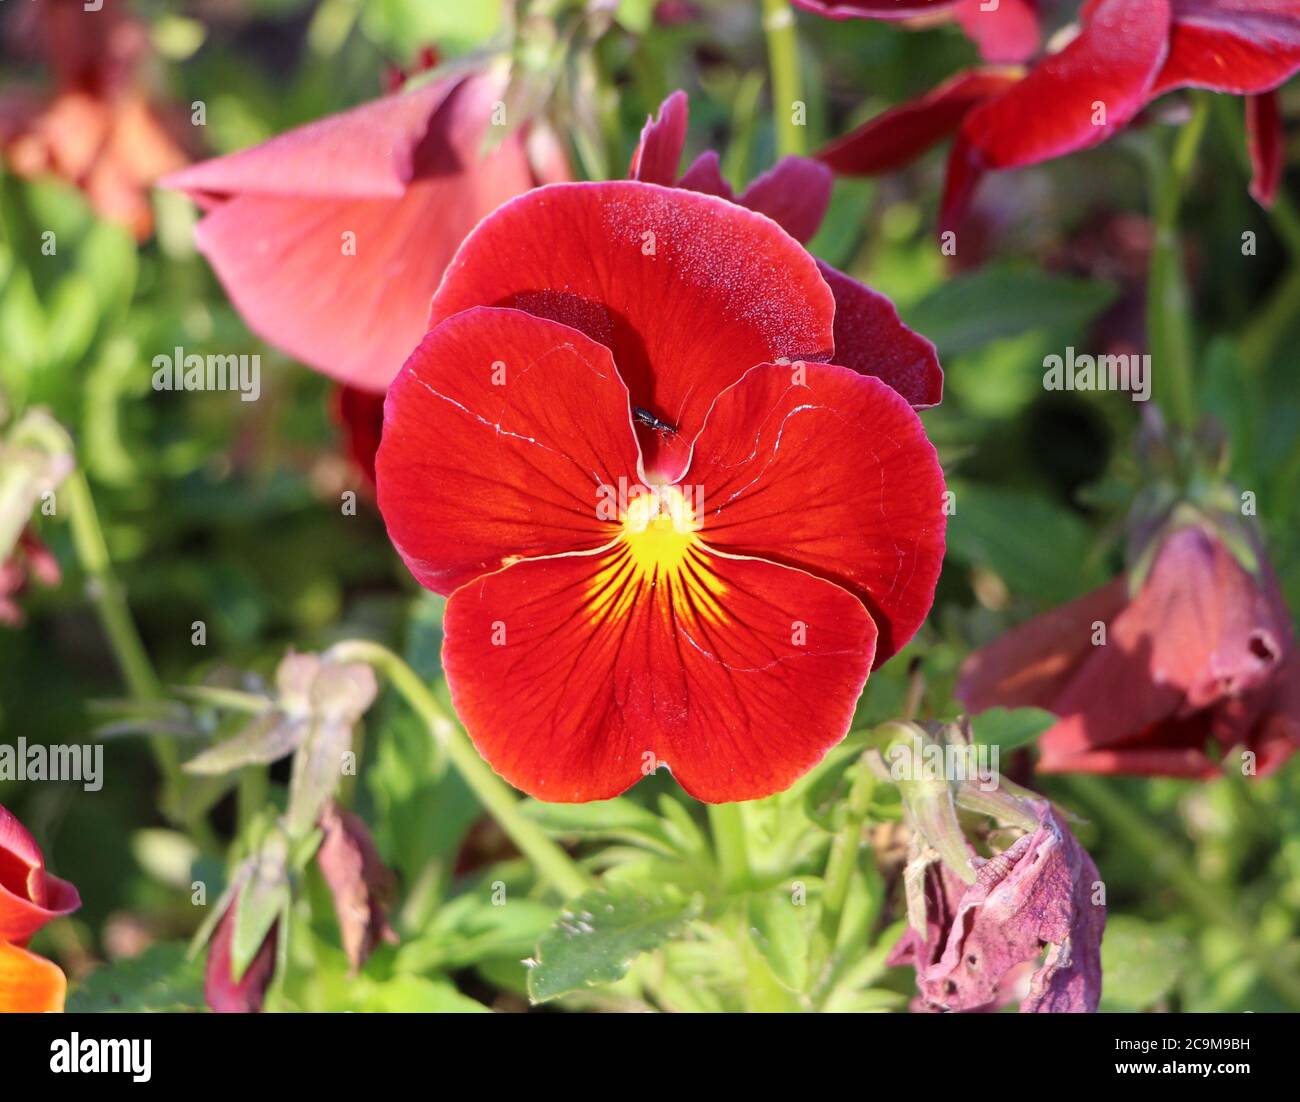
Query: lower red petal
[822, 469]
[576, 676]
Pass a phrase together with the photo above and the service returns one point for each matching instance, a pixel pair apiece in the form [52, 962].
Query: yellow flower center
[659, 528]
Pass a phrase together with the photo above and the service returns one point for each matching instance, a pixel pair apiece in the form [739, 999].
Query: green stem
[1164, 856]
[729, 844]
[551, 861]
[1168, 322]
[109, 598]
[843, 858]
[787, 87]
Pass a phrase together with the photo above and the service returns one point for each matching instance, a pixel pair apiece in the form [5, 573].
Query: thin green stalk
[109, 598]
[1165, 857]
[787, 86]
[845, 849]
[1169, 327]
[554, 865]
[728, 828]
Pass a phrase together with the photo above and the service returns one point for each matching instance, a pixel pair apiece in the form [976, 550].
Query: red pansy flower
[1200, 660]
[29, 898]
[1007, 31]
[794, 193]
[96, 127]
[705, 587]
[330, 239]
[1126, 53]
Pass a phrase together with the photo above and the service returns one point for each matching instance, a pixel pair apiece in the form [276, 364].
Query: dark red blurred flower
[222, 992]
[360, 884]
[982, 945]
[1200, 660]
[707, 593]
[331, 239]
[29, 898]
[96, 127]
[1125, 54]
[794, 193]
[30, 561]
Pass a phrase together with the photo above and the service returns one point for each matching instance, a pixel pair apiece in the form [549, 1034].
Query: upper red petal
[687, 290]
[705, 175]
[500, 436]
[794, 193]
[1110, 67]
[898, 136]
[820, 468]
[575, 679]
[1237, 46]
[870, 339]
[659, 152]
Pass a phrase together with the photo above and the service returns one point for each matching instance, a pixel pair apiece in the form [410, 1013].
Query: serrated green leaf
[159, 980]
[598, 935]
[780, 932]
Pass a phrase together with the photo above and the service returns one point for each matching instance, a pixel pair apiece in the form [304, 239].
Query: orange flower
[29, 898]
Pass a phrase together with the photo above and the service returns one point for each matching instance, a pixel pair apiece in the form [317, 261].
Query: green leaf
[598, 935]
[1002, 530]
[1004, 301]
[619, 818]
[780, 932]
[1140, 961]
[418, 994]
[159, 980]
[1010, 728]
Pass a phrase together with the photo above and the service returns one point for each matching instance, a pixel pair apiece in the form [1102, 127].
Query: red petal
[966, 169]
[688, 291]
[1264, 134]
[705, 175]
[834, 476]
[29, 984]
[601, 674]
[29, 896]
[278, 244]
[1113, 62]
[659, 152]
[1237, 46]
[360, 414]
[875, 9]
[368, 152]
[870, 339]
[794, 193]
[1007, 32]
[898, 136]
[498, 435]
